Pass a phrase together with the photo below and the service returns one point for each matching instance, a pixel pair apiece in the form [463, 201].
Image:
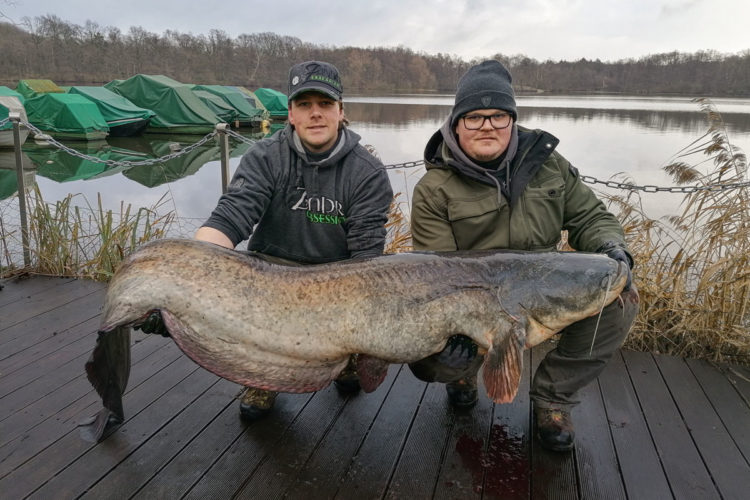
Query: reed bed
[90, 242]
[693, 268]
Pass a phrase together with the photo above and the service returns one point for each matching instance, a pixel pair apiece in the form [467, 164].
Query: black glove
[153, 324]
[459, 352]
[618, 253]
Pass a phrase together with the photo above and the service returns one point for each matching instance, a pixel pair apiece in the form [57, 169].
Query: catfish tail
[108, 370]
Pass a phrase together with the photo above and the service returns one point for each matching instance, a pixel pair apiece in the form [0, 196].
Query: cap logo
[295, 80]
[486, 100]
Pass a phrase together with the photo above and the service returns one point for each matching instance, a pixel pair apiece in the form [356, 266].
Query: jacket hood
[347, 141]
[527, 151]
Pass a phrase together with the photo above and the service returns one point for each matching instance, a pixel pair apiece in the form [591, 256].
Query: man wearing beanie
[308, 194]
[491, 184]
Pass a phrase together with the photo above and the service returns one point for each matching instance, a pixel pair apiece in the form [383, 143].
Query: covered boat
[122, 116]
[248, 115]
[252, 99]
[67, 116]
[32, 88]
[221, 108]
[177, 108]
[10, 101]
[274, 101]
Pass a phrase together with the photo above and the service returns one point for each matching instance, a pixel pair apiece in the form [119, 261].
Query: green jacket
[458, 206]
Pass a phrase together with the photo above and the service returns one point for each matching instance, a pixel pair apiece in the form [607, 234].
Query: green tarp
[115, 109]
[247, 113]
[66, 116]
[9, 92]
[33, 88]
[221, 108]
[252, 99]
[177, 108]
[274, 101]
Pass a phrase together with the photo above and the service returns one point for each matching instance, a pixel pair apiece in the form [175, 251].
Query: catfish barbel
[293, 329]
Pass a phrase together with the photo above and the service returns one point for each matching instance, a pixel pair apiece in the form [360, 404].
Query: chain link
[126, 163]
[646, 188]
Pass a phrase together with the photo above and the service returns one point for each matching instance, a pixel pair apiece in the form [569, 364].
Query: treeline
[49, 47]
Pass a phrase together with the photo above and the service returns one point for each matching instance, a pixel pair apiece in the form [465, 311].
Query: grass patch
[68, 240]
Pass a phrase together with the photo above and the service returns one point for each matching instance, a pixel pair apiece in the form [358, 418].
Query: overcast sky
[543, 29]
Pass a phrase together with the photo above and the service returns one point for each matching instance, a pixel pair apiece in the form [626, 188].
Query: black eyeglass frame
[507, 116]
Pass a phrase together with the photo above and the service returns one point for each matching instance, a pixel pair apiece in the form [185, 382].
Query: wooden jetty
[651, 427]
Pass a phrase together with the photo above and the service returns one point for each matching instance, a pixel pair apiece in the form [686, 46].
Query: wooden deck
[651, 427]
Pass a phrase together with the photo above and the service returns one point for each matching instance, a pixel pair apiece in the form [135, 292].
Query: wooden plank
[143, 464]
[323, 472]
[728, 468]
[282, 463]
[727, 400]
[192, 463]
[507, 462]
[34, 368]
[237, 462]
[739, 376]
[596, 459]
[46, 301]
[48, 324]
[22, 288]
[418, 466]
[89, 468]
[372, 466]
[553, 474]
[465, 458]
[640, 466]
[682, 463]
[55, 458]
[40, 424]
[47, 348]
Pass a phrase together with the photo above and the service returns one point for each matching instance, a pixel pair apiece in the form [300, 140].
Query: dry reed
[693, 269]
[67, 240]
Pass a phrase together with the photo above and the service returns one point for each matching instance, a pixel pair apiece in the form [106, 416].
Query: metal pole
[221, 128]
[15, 118]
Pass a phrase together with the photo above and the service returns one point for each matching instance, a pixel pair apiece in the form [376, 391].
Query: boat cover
[32, 88]
[246, 111]
[177, 108]
[65, 114]
[219, 106]
[274, 101]
[115, 109]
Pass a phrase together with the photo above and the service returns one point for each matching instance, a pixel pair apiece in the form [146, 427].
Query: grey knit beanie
[484, 86]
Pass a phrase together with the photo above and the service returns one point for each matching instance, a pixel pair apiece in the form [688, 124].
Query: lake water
[601, 136]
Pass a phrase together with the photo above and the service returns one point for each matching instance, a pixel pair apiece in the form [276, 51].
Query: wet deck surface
[651, 427]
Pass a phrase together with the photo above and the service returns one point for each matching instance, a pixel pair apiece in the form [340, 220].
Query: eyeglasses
[475, 122]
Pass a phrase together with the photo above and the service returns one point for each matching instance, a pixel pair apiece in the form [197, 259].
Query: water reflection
[601, 136]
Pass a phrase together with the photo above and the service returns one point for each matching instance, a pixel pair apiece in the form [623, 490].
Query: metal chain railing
[646, 188]
[127, 163]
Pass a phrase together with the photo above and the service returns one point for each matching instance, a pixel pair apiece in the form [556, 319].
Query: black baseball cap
[315, 76]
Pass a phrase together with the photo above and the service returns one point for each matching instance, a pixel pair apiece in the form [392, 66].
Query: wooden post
[221, 128]
[15, 118]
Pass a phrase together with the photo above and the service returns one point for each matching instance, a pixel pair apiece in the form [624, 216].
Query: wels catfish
[293, 329]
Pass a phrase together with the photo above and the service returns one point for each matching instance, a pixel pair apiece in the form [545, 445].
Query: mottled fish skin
[292, 329]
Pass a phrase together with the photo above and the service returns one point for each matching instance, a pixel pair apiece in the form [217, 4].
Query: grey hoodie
[334, 208]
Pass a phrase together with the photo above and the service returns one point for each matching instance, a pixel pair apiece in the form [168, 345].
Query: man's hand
[153, 324]
[620, 254]
[459, 352]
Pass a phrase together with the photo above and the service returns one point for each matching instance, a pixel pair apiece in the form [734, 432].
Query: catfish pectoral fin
[502, 369]
[371, 372]
[93, 428]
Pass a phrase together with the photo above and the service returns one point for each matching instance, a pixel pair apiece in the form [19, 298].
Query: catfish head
[541, 296]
